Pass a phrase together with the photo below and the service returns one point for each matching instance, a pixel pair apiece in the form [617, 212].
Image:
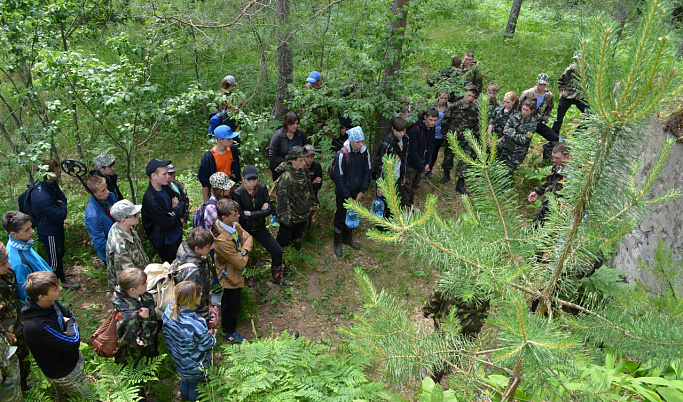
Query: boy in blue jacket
[22, 256]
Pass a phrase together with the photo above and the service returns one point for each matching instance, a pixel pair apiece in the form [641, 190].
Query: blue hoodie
[24, 260]
[98, 223]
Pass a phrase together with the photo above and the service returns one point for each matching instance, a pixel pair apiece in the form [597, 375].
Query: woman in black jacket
[285, 138]
[254, 207]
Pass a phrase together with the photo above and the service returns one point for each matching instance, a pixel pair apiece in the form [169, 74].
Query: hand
[144, 312]
[317, 180]
[11, 338]
[264, 207]
[427, 169]
[247, 213]
[532, 196]
[174, 202]
[359, 196]
[403, 182]
[561, 93]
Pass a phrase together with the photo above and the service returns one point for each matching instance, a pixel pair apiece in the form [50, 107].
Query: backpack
[160, 283]
[272, 193]
[330, 169]
[24, 201]
[198, 218]
[104, 341]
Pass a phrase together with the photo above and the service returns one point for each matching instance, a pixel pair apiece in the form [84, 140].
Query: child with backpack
[221, 187]
[136, 320]
[188, 339]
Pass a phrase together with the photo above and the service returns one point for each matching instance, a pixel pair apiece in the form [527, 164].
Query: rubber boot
[548, 150]
[460, 186]
[337, 243]
[347, 238]
[279, 275]
[446, 177]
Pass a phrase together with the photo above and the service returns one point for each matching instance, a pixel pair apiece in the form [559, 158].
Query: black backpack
[24, 201]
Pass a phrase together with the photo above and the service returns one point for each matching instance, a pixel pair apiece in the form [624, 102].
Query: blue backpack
[198, 218]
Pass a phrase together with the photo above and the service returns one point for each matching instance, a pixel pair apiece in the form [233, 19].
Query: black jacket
[352, 177]
[246, 202]
[280, 145]
[316, 170]
[207, 167]
[155, 217]
[421, 145]
[49, 213]
[389, 146]
[52, 342]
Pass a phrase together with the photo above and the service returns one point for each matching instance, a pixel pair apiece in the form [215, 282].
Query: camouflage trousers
[73, 383]
[10, 385]
[469, 151]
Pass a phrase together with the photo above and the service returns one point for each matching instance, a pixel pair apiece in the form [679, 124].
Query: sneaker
[234, 338]
[70, 285]
[284, 281]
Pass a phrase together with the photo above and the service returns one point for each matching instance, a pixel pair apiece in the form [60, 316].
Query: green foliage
[432, 392]
[289, 368]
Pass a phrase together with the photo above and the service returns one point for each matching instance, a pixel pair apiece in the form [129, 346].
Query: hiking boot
[460, 186]
[250, 282]
[347, 238]
[278, 276]
[446, 177]
[71, 285]
[337, 244]
[234, 338]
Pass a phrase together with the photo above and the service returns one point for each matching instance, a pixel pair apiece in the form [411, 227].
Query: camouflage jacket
[568, 83]
[473, 74]
[517, 136]
[136, 335]
[124, 250]
[542, 113]
[493, 105]
[499, 119]
[10, 313]
[553, 183]
[471, 315]
[200, 274]
[10, 386]
[294, 195]
[460, 118]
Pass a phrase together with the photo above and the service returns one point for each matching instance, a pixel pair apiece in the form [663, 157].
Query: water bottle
[377, 207]
[352, 219]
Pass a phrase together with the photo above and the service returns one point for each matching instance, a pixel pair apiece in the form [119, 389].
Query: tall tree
[285, 65]
[512, 19]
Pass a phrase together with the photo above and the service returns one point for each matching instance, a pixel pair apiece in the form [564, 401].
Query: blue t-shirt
[539, 100]
[437, 128]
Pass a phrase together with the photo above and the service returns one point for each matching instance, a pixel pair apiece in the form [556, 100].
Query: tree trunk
[512, 19]
[393, 56]
[621, 15]
[285, 64]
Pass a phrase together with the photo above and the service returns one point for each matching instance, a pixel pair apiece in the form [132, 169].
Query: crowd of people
[236, 210]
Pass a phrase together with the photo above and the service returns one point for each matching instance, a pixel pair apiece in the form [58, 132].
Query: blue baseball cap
[313, 77]
[224, 132]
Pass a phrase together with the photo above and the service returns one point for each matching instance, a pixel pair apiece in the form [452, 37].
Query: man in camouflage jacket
[294, 198]
[471, 72]
[570, 93]
[517, 134]
[462, 116]
[553, 183]
[124, 248]
[11, 325]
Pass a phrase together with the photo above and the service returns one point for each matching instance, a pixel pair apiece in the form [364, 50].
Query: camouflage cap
[104, 160]
[221, 181]
[296, 152]
[543, 79]
[471, 87]
[3, 252]
[123, 209]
